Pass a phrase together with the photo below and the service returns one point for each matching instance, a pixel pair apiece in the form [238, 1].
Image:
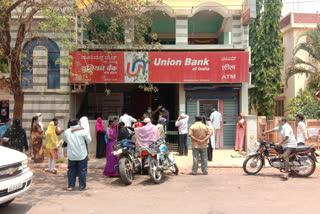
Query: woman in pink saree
[100, 137]
[111, 169]
[147, 134]
[240, 132]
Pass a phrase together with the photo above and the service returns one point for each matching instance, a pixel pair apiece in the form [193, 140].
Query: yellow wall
[183, 4]
[298, 81]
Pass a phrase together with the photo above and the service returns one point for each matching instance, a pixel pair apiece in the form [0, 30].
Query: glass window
[53, 63]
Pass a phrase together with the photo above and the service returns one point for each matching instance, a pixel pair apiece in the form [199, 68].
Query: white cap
[146, 120]
[183, 115]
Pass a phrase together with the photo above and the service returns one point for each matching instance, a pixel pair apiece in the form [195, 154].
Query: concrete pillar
[182, 98]
[129, 31]
[244, 102]
[182, 31]
[251, 133]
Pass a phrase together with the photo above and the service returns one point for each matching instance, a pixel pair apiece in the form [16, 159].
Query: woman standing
[240, 132]
[51, 147]
[100, 137]
[36, 140]
[17, 137]
[111, 168]
[302, 136]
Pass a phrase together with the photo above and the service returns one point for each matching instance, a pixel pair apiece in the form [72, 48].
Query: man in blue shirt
[76, 138]
[5, 127]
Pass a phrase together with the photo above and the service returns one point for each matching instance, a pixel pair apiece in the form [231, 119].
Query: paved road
[222, 191]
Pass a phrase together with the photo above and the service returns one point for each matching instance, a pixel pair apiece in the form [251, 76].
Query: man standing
[77, 155]
[160, 127]
[216, 120]
[287, 141]
[182, 124]
[199, 134]
[127, 120]
[150, 114]
[302, 136]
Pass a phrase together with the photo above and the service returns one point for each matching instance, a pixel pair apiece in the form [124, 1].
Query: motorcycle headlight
[24, 164]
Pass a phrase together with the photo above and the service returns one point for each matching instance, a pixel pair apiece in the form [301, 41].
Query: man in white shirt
[287, 141]
[76, 138]
[182, 124]
[302, 136]
[127, 120]
[216, 119]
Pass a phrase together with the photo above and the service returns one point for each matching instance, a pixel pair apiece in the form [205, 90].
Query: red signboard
[160, 67]
[97, 67]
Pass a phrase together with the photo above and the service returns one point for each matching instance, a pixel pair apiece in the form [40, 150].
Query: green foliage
[311, 66]
[266, 56]
[305, 103]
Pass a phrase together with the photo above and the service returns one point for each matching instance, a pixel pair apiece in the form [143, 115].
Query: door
[230, 115]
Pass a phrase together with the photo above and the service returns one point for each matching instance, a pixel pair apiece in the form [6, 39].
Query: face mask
[280, 125]
[149, 110]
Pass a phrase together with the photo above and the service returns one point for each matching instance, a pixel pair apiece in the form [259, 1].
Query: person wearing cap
[182, 124]
[160, 127]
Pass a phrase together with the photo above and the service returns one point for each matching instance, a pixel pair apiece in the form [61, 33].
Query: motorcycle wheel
[126, 171]
[156, 175]
[309, 171]
[257, 164]
[174, 169]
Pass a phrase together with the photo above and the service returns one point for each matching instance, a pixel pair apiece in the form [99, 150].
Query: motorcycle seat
[302, 148]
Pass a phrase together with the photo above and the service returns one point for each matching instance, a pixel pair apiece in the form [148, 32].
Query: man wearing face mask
[287, 141]
[150, 114]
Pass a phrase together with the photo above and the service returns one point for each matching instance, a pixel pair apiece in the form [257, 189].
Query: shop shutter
[192, 112]
[230, 115]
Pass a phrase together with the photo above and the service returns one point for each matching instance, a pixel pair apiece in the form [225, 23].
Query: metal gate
[230, 116]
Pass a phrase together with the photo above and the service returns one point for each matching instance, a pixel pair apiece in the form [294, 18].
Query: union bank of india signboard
[159, 67]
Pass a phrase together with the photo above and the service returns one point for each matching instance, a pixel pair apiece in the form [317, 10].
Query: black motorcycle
[129, 163]
[302, 161]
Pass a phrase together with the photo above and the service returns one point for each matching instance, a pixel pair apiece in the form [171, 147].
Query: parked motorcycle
[129, 163]
[302, 160]
[156, 159]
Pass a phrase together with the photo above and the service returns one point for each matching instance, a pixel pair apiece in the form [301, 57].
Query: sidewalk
[221, 159]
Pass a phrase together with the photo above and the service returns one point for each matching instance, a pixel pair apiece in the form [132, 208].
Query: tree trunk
[16, 88]
[18, 106]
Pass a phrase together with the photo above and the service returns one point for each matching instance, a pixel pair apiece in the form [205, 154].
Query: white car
[15, 175]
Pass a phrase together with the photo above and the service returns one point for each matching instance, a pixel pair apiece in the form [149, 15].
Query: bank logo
[136, 67]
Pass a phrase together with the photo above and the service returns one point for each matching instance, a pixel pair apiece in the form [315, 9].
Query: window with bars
[206, 106]
[279, 108]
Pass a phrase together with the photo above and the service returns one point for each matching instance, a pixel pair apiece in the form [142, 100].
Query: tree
[310, 65]
[61, 16]
[23, 10]
[305, 103]
[266, 55]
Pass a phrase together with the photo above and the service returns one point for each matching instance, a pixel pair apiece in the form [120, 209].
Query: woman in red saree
[240, 132]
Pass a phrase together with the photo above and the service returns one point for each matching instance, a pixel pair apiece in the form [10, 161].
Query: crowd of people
[204, 133]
